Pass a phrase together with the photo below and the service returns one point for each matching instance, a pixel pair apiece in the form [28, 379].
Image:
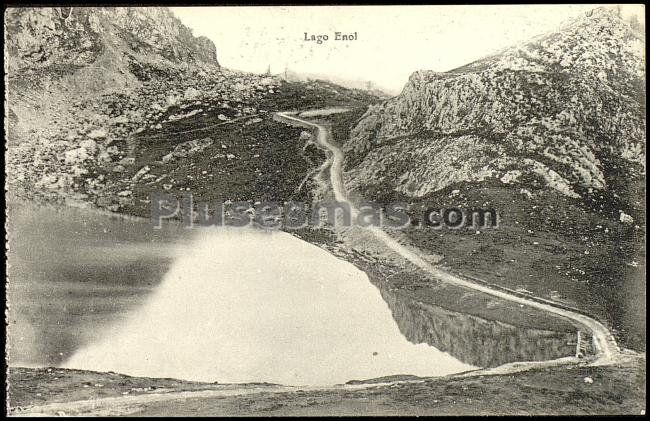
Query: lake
[98, 292]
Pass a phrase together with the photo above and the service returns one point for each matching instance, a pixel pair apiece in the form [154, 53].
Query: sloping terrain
[547, 391]
[121, 104]
[562, 111]
[96, 98]
[551, 134]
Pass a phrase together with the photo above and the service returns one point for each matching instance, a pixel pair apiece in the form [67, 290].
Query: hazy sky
[393, 41]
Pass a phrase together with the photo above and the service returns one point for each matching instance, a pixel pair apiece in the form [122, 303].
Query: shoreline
[509, 368]
[488, 392]
[604, 342]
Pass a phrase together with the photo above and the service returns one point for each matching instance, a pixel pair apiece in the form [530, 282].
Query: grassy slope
[562, 390]
[269, 163]
[553, 247]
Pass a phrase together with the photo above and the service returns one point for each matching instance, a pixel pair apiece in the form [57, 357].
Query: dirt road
[606, 349]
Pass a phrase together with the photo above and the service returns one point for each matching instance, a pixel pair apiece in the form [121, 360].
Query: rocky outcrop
[565, 109]
[188, 148]
[60, 36]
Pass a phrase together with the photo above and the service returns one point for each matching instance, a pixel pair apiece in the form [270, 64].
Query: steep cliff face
[564, 111]
[41, 37]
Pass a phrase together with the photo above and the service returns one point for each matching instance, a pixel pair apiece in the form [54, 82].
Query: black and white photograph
[396, 210]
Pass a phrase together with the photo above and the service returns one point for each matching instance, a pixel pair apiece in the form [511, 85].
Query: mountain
[365, 85]
[565, 111]
[96, 97]
[551, 135]
[42, 37]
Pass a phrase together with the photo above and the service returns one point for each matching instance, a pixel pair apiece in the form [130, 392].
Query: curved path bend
[605, 346]
[606, 350]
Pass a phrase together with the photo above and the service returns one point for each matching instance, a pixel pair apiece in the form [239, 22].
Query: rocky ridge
[564, 111]
[42, 37]
[550, 134]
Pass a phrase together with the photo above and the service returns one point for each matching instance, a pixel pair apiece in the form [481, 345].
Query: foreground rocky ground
[567, 390]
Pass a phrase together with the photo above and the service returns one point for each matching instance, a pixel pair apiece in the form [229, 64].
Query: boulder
[75, 156]
[48, 181]
[172, 100]
[510, 177]
[191, 94]
[78, 170]
[89, 145]
[305, 135]
[97, 134]
[141, 173]
[625, 218]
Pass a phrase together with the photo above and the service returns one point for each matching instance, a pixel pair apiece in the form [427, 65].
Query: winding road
[605, 347]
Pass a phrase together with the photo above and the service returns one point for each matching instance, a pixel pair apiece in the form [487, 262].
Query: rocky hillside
[564, 111]
[551, 134]
[42, 37]
[94, 95]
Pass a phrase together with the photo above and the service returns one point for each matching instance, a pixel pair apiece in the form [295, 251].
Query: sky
[392, 41]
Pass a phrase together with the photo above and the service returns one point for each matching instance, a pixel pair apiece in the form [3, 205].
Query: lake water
[102, 293]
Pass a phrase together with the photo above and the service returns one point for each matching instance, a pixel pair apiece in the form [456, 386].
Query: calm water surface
[102, 293]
